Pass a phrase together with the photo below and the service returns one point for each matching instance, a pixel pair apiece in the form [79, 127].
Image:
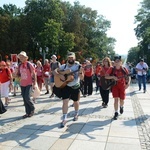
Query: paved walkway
[95, 128]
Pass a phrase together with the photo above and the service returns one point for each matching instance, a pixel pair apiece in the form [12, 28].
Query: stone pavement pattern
[95, 128]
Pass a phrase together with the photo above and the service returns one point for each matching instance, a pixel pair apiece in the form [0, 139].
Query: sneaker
[72, 105]
[63, 123]
[116, 116]
[75, 118]
[25, 116]
[103, 104]
[121, 110]
[10, 94]
[52, 95]
[14, 95]
[144, 91]
[47, 92]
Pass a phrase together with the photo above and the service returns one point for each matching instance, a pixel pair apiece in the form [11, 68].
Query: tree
[133, 55]
[143, 29]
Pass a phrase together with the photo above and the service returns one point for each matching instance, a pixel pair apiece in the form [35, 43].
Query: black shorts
[68, 92]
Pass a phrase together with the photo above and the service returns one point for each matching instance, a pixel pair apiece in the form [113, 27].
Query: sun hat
[23, 53]
[54, 56]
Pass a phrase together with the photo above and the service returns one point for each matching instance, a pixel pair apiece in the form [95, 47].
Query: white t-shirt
[74, 69]
[142, 66]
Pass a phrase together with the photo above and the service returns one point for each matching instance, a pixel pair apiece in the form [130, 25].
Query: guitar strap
[113, 70]
[123, 71]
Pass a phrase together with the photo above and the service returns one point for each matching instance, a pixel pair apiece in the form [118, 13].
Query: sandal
[25, 116]
[31, 114]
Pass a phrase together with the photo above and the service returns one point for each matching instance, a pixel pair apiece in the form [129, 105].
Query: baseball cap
[117, 57]
[71, 54]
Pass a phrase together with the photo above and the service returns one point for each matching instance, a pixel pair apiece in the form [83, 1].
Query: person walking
[118, 74]
[46, 75]
[39, 74]
[54, 64]
[72, 89]
[142, 69]
[88, 79]
[6, 81]
[104, 93]
[97, 70]
[27, 74]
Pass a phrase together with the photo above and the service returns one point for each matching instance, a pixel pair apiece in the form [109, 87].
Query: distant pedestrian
[46, 75]
[27, 74]
[39, 74]
[54, 64]
[97, 70]
[16, 80]
[88, 79]
[142, 69]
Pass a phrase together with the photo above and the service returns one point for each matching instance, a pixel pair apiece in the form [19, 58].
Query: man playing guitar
[72, 89]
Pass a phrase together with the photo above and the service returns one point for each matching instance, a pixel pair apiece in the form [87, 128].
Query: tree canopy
[142, 31]
[55, 24]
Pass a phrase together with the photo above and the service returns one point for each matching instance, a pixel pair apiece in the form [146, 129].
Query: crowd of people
[71, 79]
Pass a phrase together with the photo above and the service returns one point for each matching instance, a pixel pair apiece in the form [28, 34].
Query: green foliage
[58, 25]
[143, 29]
[133, 55]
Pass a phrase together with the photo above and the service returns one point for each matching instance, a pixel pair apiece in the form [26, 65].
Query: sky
[119, 12]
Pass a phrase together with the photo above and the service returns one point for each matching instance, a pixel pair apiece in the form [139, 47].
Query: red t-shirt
[103, 71]
[46, 68]
[88, 71]
[97, 69]
[118, 73]
[5, 75]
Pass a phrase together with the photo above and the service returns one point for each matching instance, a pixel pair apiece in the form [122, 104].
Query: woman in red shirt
[105, 93]
[39, 73]
[88, 80]
[6, 80]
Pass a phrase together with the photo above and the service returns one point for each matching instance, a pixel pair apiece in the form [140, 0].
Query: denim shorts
[52, 79]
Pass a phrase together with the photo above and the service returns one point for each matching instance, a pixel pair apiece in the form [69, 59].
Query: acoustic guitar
[68, 74]
[107, 84]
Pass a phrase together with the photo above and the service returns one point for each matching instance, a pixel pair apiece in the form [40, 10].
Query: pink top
[39, 71]
[26, 74]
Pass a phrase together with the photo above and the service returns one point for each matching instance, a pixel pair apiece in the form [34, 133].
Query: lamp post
[43, 53]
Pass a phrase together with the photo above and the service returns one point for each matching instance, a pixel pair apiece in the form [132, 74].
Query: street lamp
[43, 53]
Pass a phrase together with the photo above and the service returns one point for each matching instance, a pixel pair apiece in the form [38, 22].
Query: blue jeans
[142, 79]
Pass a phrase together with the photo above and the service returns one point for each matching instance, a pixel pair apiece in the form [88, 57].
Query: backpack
[52, 64]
